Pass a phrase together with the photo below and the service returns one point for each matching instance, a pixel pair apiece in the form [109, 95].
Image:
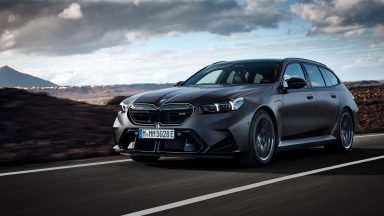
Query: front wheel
[145, 159]
[262, 141]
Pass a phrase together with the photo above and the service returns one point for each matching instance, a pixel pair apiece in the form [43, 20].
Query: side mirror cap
[178, 83]
[296, 83]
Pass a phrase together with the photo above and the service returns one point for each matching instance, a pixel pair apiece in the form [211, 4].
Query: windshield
[244, 73]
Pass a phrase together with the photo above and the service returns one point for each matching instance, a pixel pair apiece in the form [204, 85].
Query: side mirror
[178, 83]
[296, 83]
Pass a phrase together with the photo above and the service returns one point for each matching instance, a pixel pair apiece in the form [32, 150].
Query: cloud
[64, 28]
[63, 77]
[365, 62]
[7, 39]
[72, 12]
[347, 17]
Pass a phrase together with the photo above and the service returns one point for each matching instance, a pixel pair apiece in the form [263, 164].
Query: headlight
[226, 106]
[124, 106]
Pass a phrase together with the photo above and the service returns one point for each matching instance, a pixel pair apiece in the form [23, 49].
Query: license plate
[156, 133]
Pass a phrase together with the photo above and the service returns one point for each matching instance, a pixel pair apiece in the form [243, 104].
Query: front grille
[167, 114]
[143, 113]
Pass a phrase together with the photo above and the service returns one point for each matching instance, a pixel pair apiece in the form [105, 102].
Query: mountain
[9, 77]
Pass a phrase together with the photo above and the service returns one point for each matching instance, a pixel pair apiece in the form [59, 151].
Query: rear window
[330, 78]
[314, 75]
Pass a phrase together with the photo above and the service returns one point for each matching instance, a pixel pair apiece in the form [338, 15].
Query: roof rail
[303, 59]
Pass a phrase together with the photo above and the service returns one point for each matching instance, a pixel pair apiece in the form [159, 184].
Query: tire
[145, 159]
[262, 141]
[345, 133]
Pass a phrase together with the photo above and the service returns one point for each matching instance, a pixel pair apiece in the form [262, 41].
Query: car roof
[290, 59]
[246, 61]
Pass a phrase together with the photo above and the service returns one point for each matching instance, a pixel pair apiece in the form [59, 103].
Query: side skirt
[306, 142]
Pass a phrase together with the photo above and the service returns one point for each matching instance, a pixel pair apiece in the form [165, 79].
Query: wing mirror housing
[178, 83]
[296, 83]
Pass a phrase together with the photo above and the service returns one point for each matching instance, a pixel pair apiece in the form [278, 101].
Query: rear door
[299, 106]
[327, 104]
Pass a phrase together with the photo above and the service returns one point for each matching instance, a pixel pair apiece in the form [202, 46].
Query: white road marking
[246, 187]
[369, 135]
[63, 167]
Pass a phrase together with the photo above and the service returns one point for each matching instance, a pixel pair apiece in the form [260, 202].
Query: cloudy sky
[133, 41]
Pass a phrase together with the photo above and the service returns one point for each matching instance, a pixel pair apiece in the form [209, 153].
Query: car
[245, 109]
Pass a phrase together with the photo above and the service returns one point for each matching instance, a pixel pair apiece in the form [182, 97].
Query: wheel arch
[347, 108]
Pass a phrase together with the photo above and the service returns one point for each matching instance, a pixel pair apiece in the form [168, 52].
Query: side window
[326, 79]
[293, 70]
[314, 75]
[210, 78]
[332, 79]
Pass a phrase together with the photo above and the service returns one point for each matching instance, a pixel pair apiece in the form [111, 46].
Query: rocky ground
[370, 100]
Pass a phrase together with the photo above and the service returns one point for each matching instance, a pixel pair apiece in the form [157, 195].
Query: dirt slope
[37, 127]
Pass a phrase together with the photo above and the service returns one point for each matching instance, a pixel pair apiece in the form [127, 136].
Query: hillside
[9, 77]
[370, 100]
[37, 127]
[364, 83]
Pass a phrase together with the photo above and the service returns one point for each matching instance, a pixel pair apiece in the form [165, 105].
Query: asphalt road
[127, 187]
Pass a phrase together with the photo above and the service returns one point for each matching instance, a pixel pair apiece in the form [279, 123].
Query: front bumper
[186, 141]
[203, 134]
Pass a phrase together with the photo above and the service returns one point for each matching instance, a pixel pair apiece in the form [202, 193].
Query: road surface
[301, 182]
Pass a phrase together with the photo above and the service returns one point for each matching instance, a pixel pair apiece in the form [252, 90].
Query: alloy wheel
[346, 130]
[264, 137]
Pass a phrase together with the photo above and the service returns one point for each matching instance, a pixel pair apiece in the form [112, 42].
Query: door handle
[309, 96]
[333, 96]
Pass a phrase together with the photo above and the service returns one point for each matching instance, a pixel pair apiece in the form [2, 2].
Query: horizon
[134, 41]
[127, 84]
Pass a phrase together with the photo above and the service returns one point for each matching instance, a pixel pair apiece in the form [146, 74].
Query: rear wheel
[345, 133]
[262, 141]
[145, 159]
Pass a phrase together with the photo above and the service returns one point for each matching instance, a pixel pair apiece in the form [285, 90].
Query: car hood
[197, 95]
